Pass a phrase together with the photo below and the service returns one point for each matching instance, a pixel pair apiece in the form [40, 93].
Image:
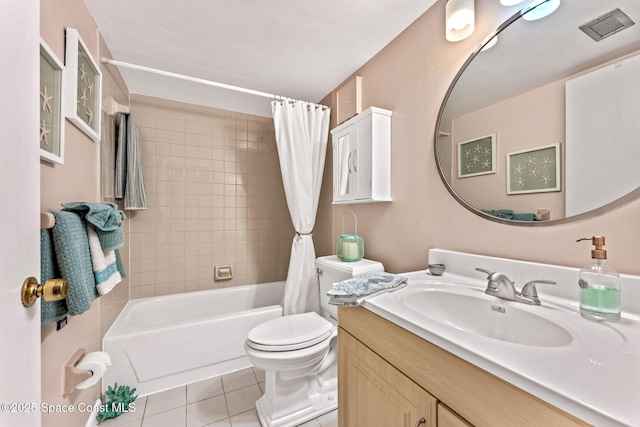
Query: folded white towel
[105, 269]
[352, 292]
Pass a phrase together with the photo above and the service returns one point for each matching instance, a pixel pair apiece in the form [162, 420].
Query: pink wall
[410, 76]
[77, 180]
[515, 130]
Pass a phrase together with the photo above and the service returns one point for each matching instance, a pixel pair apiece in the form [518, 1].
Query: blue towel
[509, 214]
[71, 246]
[352, 292]
[54, 310]
[105, 218]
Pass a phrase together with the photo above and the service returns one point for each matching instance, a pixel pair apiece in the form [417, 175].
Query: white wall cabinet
[362, 158]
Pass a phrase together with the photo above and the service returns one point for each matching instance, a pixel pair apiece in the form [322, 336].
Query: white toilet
[299, 354]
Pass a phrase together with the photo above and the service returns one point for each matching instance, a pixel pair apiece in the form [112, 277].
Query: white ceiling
[300, 49]
[531, 54]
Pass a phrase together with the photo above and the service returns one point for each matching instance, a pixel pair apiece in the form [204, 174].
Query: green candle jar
[350, 247]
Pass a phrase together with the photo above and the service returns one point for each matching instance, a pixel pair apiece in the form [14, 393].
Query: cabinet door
[448, 418]
[361, 159]
[352, 162]
[342, 166]
[373, 393]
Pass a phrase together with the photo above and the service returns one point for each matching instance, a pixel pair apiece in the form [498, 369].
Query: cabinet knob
[420, 422]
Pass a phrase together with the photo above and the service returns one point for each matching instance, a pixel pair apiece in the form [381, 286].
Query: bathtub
[164, 342]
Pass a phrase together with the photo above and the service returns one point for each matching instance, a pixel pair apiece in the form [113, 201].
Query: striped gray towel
[129, 179]
[135, 196]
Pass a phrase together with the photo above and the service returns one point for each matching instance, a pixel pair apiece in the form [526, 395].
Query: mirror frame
[628, 198]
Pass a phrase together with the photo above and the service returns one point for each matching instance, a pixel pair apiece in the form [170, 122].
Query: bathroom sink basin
[470, 310]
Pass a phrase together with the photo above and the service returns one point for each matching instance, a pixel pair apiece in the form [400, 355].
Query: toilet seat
[289, 333]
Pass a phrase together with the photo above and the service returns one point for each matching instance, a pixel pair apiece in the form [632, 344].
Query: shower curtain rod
[201, 81]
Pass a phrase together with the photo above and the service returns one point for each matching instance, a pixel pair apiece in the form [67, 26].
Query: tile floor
[226, 401]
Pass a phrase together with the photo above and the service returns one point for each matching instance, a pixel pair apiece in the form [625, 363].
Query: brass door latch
[52, 290]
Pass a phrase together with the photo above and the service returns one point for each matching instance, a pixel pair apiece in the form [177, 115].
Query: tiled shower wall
[215, 198]
[112, 86]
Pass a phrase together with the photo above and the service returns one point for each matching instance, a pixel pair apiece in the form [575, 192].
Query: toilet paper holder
[73, 376]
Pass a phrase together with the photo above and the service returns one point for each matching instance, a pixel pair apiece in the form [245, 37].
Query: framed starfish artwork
[51, 114]
[534, 170]
[83, 81]
[477, 156]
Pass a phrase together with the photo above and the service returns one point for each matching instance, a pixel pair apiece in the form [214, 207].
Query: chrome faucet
[500, 286]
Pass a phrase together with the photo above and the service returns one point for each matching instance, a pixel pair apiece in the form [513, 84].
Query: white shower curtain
[301, 135]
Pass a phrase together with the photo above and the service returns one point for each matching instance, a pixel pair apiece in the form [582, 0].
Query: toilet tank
[332, 270]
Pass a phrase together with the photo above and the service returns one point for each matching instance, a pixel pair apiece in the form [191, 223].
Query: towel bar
[114, 109]
[47, 220]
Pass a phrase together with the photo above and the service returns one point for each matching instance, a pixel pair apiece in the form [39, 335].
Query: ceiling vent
[607, 25]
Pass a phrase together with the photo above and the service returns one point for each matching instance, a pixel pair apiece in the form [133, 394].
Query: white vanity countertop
[595, 377]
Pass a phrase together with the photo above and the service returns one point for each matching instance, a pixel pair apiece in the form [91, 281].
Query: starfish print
[89, 115]
[521, 182]
[83, 73]
[518, 169]
[546, 161]
[467, 153]
[84, 97]
[45, 99]
[43, 133]
[468, 167]
[487, 151]
[90, 87]
[531, 161]
[485, 164]
[477, 148]
[534, 172]
[476, 159]
[546, 179]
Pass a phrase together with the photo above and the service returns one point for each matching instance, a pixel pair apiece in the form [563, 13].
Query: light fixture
[460, 19]
[510, 2]
[538, 9]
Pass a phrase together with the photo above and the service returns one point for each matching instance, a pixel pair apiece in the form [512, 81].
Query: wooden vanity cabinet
[377, 394]
[387, 376]
[448, 418]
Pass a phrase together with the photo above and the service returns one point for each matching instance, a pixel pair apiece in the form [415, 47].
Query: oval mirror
[544, 126]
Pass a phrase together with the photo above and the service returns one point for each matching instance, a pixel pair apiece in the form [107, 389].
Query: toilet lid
[289, 333]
